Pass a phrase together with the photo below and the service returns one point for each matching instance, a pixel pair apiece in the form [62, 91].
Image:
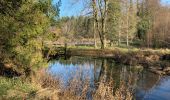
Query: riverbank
[44, 86]
[111, 52]
[41, 86]
[16, 89]
[158, 61]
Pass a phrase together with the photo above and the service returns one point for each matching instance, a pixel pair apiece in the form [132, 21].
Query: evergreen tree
[23, 27]
[114, 20]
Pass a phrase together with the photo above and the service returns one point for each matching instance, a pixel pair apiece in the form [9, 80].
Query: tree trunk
[119, 41]
[96, 22]
[127, 39]
[103, 45]
[94, 27]
[104, 20]
[97, 8]
[95, 44]
[127, 30]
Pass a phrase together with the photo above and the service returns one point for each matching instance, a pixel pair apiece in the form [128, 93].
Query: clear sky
[70, 7]
[75, 7]
[165, 1]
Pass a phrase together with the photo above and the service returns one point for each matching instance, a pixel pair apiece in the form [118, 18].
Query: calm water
[147, 86]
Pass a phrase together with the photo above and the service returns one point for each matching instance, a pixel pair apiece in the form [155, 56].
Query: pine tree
[23, 27]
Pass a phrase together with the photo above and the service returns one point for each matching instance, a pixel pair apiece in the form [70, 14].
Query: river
[146, 85]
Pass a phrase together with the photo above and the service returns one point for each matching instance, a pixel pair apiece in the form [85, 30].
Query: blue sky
[70, 7]
[165, 1]
[75, 7]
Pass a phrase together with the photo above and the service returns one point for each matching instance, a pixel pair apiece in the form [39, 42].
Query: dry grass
[106, 91]
[46, 87]
[51, 89]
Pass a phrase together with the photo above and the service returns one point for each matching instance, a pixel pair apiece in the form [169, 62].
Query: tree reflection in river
[97, 70]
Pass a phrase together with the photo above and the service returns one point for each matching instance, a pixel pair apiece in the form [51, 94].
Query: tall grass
[80, 90]
[15, 89]
[47, 87]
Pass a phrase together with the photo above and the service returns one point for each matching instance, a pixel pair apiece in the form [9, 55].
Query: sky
[75, 7]
[71, 7]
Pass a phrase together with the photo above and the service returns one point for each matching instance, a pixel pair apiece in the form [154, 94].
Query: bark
[119, 41]
[127, 30]
[95, 42]
[103, 15]
[94, 23]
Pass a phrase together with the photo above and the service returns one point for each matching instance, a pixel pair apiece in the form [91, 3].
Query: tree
[100, 8]
[144, 23]
[147, 12]
[23, 28]
[114, 20]
[130, 20]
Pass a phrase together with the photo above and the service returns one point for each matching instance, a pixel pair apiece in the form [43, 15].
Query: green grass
[15, 89]
[125, 49]
[82, 47]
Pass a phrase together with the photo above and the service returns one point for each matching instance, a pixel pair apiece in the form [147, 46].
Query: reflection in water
[147, 86]
[152, 88]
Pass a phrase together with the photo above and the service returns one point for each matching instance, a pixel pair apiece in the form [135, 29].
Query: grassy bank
[46, 87]
[16, 89]
[43, 86]
[38, 87]
[109, 52]
[123, 49]
[156, 60]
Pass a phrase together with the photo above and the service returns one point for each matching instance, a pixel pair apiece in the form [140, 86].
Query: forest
[138, 23]
[108, 48]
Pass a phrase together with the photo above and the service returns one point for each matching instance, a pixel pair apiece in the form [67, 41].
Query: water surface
[147, 86]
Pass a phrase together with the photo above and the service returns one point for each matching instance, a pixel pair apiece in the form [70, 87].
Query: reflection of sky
[66, 72]
[149, 86]
[160, 91]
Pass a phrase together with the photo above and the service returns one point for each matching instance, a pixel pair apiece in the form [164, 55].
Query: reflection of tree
[148, 80]
[119, 78]
[80, 61]
[117, 74]
[96, 72]
[146, 83]
[105, 70]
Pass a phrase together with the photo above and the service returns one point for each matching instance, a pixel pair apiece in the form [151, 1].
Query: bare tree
[100, 15]
[95, 23]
